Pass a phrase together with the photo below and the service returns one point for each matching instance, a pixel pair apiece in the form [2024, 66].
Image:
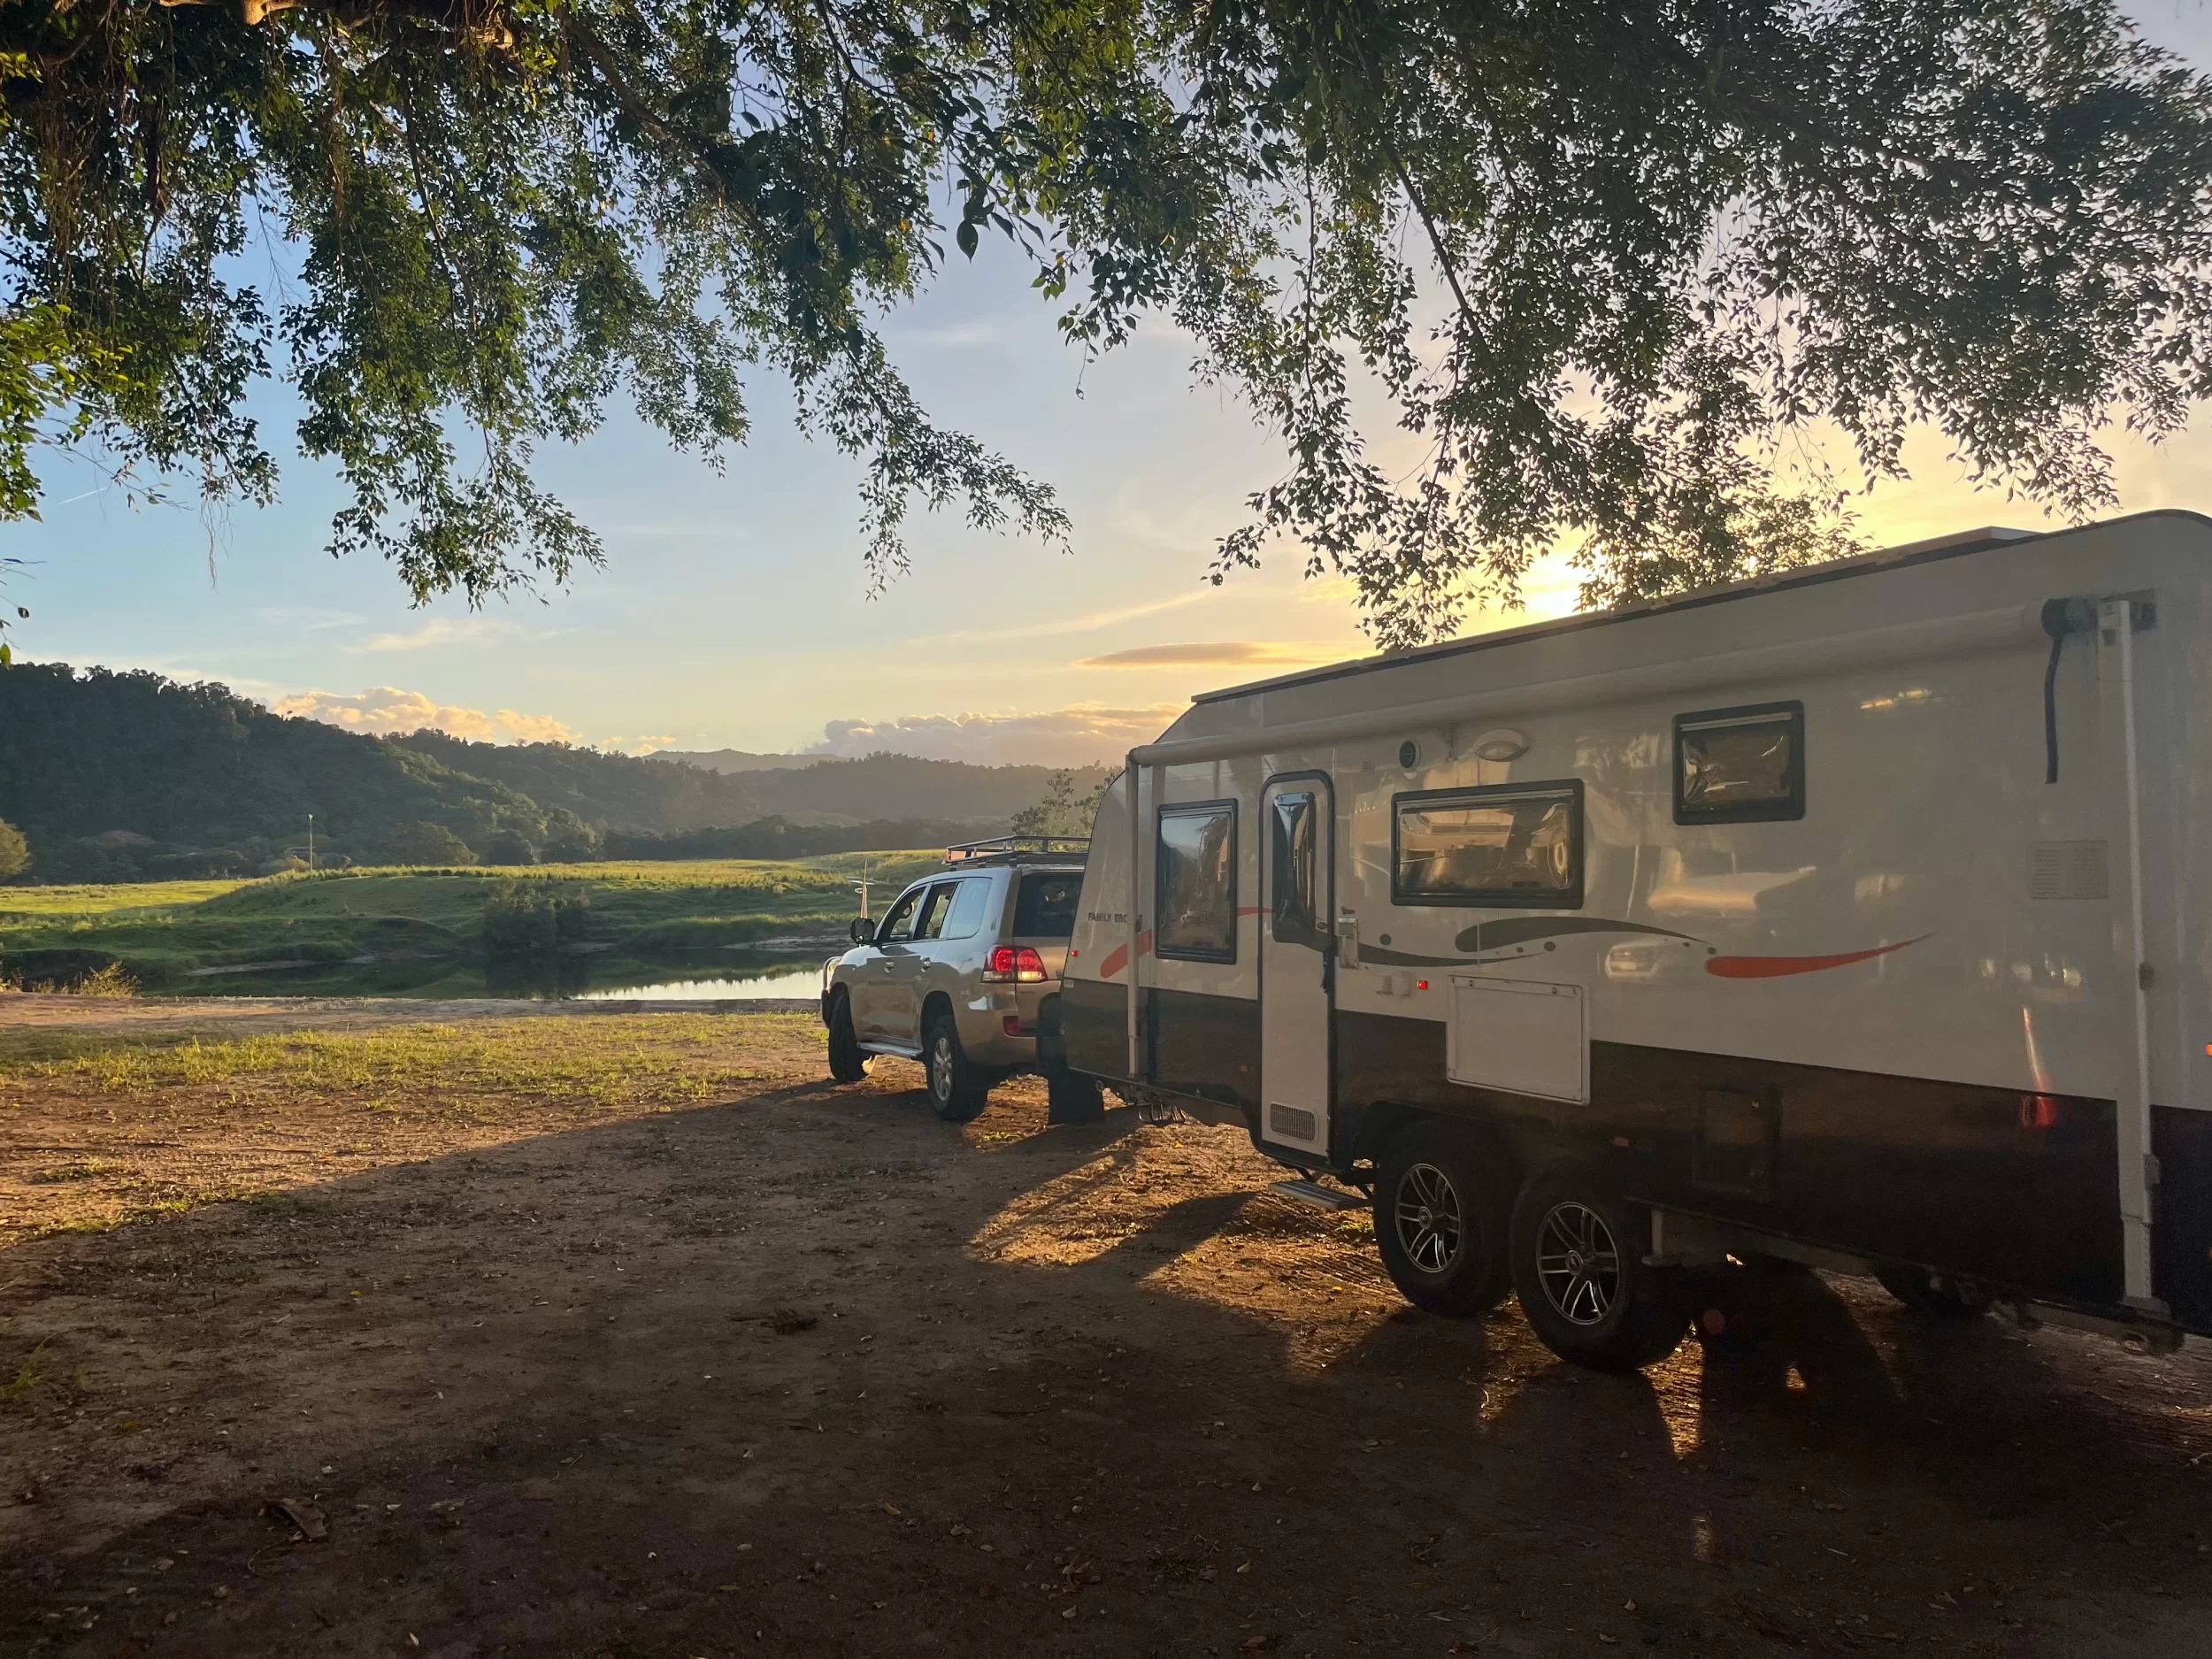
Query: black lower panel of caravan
[1204, 1047]
[1094, 1027]
[2016, 1189]
[2181, 1235]
[2019, 1190]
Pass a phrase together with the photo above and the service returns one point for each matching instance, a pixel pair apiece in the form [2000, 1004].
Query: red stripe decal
[1775, 967]
[1117, 958]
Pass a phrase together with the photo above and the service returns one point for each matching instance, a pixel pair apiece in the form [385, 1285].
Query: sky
[733, 611]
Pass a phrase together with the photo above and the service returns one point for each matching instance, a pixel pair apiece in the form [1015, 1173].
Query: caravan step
[1319, 1196]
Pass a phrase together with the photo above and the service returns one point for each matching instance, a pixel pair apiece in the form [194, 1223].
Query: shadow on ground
[809, 1371]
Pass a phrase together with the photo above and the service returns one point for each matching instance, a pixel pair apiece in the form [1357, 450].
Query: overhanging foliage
[1596, 260]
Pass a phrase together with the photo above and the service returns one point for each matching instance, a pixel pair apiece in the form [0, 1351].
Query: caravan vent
[1290, 1123]
[2067, 869]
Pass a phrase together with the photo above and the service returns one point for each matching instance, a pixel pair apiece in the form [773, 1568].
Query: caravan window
[1296, 905]
[1506, 845]
[1196, 883]
[1739, 766]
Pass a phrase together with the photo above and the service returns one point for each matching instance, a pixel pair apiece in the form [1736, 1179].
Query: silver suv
[957, 972]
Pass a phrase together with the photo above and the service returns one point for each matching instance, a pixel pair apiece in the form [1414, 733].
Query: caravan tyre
[847, 1060]
[1439, 1223]
[956, 1088]
[1579, 1272]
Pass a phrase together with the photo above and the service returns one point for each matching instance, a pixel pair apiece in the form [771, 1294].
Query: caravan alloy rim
[1429, 1224]
[1578, 1262]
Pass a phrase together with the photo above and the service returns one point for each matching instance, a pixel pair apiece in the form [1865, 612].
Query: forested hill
[122, 776]
[889, 786]
[614, 791]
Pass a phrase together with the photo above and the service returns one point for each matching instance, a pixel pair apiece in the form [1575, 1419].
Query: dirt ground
[795, 1369]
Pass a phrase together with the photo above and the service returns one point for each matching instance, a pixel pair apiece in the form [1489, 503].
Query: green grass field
[664, 1058]
[391, 926]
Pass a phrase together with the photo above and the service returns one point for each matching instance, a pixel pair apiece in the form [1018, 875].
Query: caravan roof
[1858, 564]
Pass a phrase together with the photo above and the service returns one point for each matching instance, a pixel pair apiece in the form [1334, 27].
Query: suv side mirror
[863, 930]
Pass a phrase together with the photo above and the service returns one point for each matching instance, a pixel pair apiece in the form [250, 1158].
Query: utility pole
[310, 841]
[861, 887]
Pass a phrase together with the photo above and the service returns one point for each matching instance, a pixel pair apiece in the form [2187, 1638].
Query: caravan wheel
[1439, 1224]
[1579, 1272]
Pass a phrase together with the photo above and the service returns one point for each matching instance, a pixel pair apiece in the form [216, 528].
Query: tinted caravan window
[1506, 845]
[1294, 901]
[1045, 906]
[1739, 766]
[1196, 883]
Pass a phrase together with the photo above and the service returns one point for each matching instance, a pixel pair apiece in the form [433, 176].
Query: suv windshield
[1046, 907]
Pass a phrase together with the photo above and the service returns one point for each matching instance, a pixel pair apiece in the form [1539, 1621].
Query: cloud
[639, 745]
[982, 331]
[384, 711]
[1219, 654]
[448, 631]
[1077, 735]
[1067, 625]
[308, 616]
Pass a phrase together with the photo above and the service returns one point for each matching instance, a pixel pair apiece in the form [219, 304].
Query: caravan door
[1297, 961]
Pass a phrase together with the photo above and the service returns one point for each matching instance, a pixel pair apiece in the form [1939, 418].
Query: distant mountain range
[822, 790]
[730, 760]
[118, 777]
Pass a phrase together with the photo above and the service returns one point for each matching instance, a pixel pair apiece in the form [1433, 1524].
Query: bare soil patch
[632, 1335]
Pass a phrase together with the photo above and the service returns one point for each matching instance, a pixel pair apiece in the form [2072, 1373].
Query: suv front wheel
[847, 1060]
[957, 1089]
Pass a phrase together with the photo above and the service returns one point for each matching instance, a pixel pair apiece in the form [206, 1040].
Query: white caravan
[1862, 917]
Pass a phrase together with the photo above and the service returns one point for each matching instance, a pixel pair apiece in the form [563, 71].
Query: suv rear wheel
[1070, 1097]
[956, 1088]
[847, 1060]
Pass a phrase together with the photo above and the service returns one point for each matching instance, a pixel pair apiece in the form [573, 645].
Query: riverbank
[420, 933]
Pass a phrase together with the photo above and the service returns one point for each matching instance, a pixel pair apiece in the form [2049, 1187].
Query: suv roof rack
[1021, 850]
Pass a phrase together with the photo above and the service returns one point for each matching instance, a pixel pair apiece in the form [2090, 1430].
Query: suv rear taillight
[1011, 963]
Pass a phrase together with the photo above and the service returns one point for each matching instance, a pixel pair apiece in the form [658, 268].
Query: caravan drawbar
[1861, 916]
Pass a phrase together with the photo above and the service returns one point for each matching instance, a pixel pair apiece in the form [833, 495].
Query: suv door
[875, 985]
[945, 939]
[907, 962]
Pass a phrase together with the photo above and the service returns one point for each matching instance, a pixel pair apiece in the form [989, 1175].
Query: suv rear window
[1045, 908]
